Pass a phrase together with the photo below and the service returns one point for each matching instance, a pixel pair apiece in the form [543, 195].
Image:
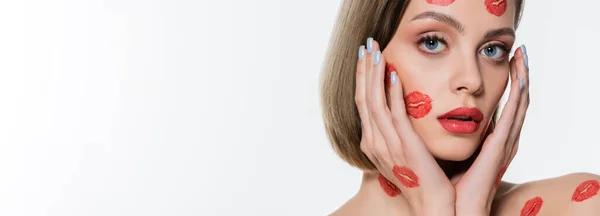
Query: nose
[467, 77]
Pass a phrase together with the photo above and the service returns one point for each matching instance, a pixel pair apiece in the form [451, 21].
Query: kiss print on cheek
[532, 207]
[389, 68]
[406, 176]
[496, 7]
[440, 2]
[418, 104]
[499, 177]
[388, 187]
[586, 190]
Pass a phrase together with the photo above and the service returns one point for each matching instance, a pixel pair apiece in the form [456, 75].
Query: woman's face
[448, 55]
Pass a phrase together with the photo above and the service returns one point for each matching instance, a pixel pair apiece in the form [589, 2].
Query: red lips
[532, 207]
[388, 187]
[461, 120]
[418, 104]
[586, 190]
[496, 7]
[406, 176]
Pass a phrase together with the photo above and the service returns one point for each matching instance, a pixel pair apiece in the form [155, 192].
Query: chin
[453, 148]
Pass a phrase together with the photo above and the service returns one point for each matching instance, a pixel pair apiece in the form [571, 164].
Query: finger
[377, 105]
[507, 118]
[359, 97]
[521, 68]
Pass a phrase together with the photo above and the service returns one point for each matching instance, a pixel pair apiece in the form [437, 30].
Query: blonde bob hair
[356, 21]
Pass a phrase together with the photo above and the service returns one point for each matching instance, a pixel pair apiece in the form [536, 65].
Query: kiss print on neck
[496, 7]
[388, 187]
[532, 207]
[440, 2]
[417, 104]
[406, 176]
[585, 190]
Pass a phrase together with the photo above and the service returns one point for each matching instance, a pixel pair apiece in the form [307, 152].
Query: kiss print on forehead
[388, 187]
[406, 176]
[440, 2]
[496, 7]
[417, 104]
[586, 190]
[532, 207]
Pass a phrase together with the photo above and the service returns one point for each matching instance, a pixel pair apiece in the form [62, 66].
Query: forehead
[472, 14]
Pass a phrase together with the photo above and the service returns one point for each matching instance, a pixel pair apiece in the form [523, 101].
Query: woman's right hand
[390, 142]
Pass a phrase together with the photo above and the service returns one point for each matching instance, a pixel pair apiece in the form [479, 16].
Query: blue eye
[493, 52]
[432, 45]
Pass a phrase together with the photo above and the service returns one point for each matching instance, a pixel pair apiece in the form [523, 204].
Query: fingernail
[393, 78]
[369, 45]
[521, 83]
[361, 52]
[377, 57]
[525, 57]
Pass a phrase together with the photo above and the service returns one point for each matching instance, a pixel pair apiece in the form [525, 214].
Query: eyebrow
[499, 32]
[442, 18]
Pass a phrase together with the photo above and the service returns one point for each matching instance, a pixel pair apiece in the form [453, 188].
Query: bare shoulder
[572, 194]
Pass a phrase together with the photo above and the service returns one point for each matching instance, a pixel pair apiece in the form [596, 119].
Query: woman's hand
[391, 143]
[476, 189]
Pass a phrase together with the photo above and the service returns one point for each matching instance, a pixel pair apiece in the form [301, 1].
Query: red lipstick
[532, 207]
[461, 120]
[586, 190]
[496, 7]
[406, 176]
[418, 104]
[388, 187]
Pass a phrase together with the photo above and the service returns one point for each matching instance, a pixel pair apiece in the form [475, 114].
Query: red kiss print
[532, 207]
[417, 104]
[440, 2]
[388, 187]
[406, 176]
[496, 7]
[586, 190]
[499, 177]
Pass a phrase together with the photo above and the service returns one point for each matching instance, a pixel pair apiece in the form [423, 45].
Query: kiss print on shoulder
[532, 207]
[585, 190]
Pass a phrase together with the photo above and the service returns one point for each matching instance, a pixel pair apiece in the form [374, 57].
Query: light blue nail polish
[361, 52]
[521, 83]
[525, 56]
[370, 45]
[393, 78]
[377, 57]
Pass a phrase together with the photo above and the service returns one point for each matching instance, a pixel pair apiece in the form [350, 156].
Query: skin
[459, 74]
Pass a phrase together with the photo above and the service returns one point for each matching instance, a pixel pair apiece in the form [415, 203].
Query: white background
[163, 107]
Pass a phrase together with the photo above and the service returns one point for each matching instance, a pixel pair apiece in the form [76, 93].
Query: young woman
[410, 93]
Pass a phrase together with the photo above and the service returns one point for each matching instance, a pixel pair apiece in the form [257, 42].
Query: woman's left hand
[475, 190]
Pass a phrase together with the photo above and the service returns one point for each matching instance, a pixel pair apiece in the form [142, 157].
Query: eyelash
[435, 37]
[431, 37]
